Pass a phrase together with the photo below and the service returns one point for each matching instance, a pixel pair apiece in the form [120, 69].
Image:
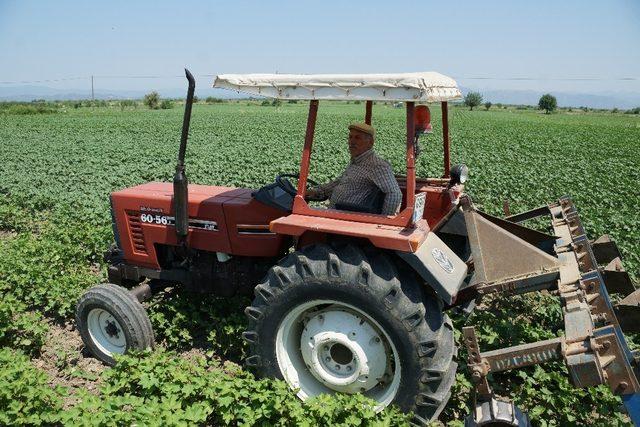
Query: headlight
[459, 174]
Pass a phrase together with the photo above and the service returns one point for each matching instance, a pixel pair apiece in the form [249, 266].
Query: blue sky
[499, 39]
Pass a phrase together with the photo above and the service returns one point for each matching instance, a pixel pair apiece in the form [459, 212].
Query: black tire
[131, 317]
[410, 316]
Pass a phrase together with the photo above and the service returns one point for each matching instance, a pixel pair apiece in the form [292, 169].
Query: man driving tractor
[367, 184]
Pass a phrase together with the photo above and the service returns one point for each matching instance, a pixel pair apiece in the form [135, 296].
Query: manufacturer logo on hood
[442, 260]
[150, 209]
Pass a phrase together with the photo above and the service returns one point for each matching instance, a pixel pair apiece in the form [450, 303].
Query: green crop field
[56, 173]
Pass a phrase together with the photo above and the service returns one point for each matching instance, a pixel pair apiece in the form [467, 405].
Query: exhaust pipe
[180, 182]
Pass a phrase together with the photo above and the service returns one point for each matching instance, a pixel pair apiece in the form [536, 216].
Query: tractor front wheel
[112, 321]
[334, 319]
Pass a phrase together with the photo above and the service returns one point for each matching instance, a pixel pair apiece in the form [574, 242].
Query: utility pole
[92, 95]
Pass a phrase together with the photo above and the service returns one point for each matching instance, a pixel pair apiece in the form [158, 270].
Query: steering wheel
[287, 186]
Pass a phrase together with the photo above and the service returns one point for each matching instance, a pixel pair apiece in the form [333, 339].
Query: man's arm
[384, 179]
[322, 191]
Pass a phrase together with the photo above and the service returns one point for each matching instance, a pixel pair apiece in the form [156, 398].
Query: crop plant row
[56, 173]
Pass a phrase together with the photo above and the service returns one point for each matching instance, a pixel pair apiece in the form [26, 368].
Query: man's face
[359, 142]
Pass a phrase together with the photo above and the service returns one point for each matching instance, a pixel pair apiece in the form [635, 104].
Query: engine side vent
[137, 236]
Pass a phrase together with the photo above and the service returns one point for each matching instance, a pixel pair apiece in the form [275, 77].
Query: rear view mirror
[422, 120]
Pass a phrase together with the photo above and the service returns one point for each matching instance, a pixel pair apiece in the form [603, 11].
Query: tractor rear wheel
[336, 319]
[112, 321]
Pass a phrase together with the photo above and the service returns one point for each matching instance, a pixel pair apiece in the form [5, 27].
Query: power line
[100, 77]
[44, 81]
[153, 77]
[553, 78]
[138, 77]
[484, 78]
[213, 75]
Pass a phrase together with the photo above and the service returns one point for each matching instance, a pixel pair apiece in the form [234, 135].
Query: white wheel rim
[106, 332]
[326, 346]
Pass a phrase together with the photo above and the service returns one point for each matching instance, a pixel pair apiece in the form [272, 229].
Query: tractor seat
[372, 205]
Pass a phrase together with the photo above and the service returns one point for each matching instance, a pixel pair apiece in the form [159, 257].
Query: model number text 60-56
[156, 219]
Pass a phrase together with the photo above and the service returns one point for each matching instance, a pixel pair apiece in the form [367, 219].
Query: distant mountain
[565, 99]
[29, 93]
[525, 97]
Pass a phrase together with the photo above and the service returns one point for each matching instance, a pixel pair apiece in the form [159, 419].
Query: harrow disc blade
[495, 412]
[628, 312]
[604, 249]
[616, 279]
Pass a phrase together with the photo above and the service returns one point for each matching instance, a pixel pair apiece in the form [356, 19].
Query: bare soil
[63, 358]
[96, 269]
[7, 234]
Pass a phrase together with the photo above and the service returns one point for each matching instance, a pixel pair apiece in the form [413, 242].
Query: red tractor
[351, 301]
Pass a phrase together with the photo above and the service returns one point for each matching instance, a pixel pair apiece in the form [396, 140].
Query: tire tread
[125, 306]
[397, 289]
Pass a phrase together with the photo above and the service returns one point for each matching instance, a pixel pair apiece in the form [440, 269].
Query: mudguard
[439, 266]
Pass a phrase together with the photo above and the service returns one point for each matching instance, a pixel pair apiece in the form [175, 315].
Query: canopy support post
[306, 152]
[445, 139]
[411, 166]
[367, 115]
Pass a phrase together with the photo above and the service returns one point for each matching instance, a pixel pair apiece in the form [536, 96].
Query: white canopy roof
[426, 86]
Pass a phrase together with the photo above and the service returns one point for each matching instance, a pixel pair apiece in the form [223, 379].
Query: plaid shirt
[362, 179]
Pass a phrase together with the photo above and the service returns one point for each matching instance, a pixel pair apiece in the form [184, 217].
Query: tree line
[547, 102]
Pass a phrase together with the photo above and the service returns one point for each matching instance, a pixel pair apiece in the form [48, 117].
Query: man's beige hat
[363, 127]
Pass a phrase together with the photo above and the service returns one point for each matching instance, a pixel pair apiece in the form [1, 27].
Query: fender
[439, 266]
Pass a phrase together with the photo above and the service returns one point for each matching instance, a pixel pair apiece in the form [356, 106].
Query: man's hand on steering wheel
[313, 194]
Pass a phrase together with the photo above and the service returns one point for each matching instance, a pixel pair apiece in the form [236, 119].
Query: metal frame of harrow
[593, 346]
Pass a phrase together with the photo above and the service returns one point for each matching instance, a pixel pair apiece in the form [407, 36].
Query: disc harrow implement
[593, 347]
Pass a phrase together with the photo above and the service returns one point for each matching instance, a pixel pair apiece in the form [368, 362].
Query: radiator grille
[137, 236]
